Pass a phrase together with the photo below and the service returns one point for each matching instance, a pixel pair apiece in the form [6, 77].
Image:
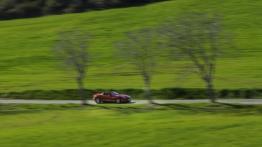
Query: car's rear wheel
[98, 100]
[118, 101]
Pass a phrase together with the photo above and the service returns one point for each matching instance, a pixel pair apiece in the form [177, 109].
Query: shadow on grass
[13, 109]
[216, 108]
[126, 108]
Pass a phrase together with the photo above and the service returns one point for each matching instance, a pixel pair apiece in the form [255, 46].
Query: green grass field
[27, 62]
[126, 125]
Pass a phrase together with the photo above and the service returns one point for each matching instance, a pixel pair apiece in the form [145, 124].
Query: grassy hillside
[182, 125]
[27, 61]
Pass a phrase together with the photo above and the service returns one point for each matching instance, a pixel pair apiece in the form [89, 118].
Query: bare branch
[140, 49]
[72, 49]
[199, 37]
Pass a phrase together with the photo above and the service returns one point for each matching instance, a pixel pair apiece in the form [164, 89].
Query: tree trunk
[148, 94]
[210, 91]
[81, 89]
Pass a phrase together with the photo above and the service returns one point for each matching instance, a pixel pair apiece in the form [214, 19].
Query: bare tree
[72, 49]
[139, 48]
[200, 38]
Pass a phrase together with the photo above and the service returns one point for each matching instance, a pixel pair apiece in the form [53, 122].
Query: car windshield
[114, 93]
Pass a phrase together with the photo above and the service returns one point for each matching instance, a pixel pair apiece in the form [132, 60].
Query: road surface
[231, 101]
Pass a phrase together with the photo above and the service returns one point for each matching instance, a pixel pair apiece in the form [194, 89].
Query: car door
[113, 97]
[107, 97]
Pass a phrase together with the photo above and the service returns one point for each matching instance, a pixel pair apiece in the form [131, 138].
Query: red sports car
[111, 97]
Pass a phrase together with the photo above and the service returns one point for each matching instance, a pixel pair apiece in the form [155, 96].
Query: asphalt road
[231, 101]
